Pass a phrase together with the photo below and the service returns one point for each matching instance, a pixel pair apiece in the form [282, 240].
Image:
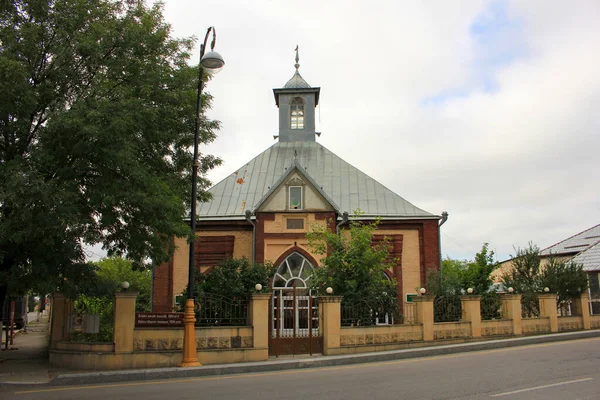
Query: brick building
[263, 210]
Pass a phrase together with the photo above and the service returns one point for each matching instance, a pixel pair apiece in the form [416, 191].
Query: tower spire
[297, 59]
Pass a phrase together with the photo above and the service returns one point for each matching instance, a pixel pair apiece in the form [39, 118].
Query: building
[263, 210]
[582, 248]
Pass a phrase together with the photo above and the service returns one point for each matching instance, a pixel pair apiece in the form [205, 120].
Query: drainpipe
[342, 222]
[444, 219]
[249, 219]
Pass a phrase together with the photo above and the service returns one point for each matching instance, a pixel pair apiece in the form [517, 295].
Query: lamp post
[211, 62]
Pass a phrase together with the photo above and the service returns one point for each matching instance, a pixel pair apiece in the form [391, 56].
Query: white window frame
[301, 207]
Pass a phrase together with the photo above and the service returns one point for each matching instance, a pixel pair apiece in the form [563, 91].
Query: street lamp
[211, 62]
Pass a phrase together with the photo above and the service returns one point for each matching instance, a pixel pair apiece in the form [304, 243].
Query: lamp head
[422, 290]
[329, 290]
[258, 287]
[212, 62]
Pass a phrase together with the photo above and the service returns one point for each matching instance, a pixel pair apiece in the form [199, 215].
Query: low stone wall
[595, 321]
[99, 361]
[572, 323]
[497, 327]
[377, 338]
[535, 325]
[156, 339]
[451, 330]
[86, 346]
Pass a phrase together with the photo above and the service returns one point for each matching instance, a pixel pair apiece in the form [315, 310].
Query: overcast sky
[487, 109]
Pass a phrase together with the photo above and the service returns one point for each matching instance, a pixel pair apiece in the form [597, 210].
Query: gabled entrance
[294, 310]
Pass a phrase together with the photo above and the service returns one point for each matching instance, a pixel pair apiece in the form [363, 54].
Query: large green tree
[96, 120]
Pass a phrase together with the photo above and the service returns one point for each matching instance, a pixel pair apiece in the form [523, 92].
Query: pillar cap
[127, 294]
[424, 297]
[547, 296]
[260, 296]
[330, 299]
[471, 297]
[510, 296]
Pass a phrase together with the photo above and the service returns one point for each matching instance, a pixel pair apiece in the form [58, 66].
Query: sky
[488, 110]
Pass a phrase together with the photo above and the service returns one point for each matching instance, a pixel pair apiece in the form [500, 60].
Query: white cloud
[509, 146]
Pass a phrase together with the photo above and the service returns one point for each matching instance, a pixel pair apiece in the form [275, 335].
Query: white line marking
[541, 387]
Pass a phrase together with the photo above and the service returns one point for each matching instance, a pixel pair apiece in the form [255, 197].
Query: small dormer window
[295, 197]
[297, 114]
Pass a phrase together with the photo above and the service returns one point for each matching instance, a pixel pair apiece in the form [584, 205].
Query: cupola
[296, 102]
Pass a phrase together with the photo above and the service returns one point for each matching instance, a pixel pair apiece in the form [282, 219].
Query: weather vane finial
[297, 59]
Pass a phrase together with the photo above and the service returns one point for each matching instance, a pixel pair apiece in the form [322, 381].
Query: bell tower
[296, 102]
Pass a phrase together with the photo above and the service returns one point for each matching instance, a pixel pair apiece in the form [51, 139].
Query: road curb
[325, 361]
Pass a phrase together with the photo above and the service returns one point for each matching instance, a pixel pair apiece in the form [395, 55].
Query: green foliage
[234, 278]
[528, 277]
[566, 279]
[97, 106]
[104, 307]
[354, 266]
[113, 271]
[456, 276]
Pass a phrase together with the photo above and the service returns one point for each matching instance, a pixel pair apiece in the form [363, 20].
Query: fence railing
[364, 313]
[215, 310]
[565, 308]
[594, 306]
[491, 306]
[447, 309]
[530, 306]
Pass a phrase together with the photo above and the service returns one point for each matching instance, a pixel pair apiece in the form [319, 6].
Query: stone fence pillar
[548, 309]
[124, 322]
[425, 314]
[259, 319]
[59, 318]
[511, 309]
[471, 312]
[581, 306]
[330, 322]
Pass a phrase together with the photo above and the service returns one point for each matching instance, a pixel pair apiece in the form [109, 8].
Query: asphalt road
[554, 371]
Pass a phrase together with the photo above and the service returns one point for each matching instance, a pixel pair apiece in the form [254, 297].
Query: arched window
[297, 114]
[295, 270]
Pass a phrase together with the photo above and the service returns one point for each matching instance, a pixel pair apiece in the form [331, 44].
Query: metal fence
[565, 308]
[364, 313]
[491, 307]
[447, 309]
[530, 306]
[215, 310]
[594, 306]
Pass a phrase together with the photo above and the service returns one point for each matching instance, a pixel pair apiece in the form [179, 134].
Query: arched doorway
[294, 310]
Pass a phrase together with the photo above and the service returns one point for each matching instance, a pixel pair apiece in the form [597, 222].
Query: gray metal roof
[296, 82]
[590, 258]
[344, 186]
[576, 243]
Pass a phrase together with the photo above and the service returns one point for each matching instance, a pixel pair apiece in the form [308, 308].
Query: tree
[115, 270]
[233, 278]
[524, 278]
[96, 112]
[457, 276]
[565, 278]
[354, 266]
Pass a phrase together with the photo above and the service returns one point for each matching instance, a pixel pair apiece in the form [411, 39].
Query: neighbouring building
[264, 209]
[582, 248]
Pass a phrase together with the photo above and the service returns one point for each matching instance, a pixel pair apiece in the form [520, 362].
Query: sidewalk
[26, 361]
[28, 365]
